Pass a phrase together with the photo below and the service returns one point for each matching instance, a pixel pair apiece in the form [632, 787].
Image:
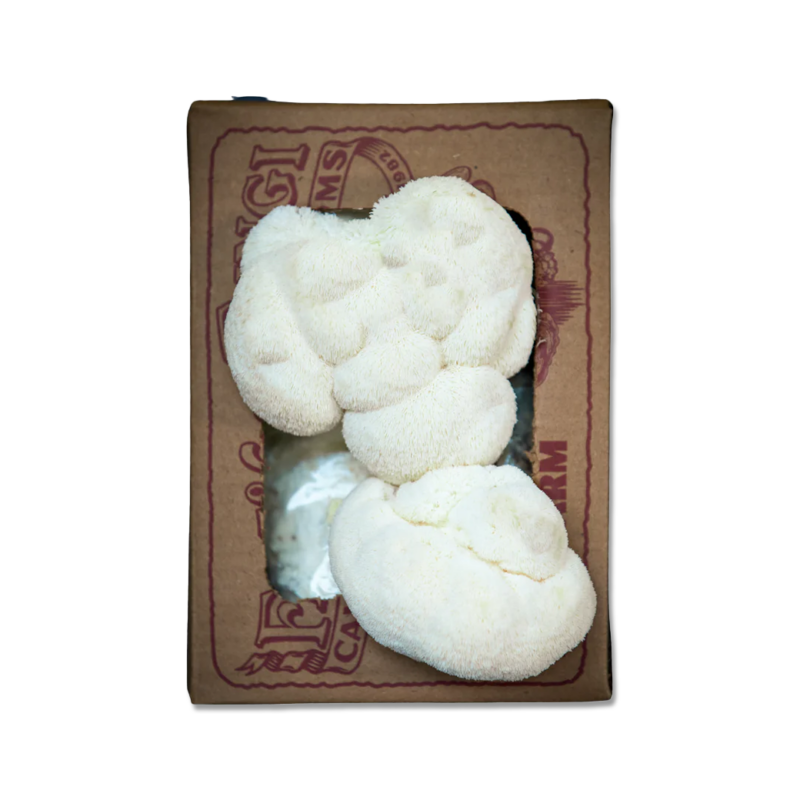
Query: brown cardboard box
[547, 161]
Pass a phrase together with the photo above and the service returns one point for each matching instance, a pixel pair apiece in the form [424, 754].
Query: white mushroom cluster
[408, 323]
[466, 569]
[405, 327]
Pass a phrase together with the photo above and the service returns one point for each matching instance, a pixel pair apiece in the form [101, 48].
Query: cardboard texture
[547, 161]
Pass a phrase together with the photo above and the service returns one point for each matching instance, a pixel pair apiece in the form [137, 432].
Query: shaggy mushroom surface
[408, 323]
[467, 569]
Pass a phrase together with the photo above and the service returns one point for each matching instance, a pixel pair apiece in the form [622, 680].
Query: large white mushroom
[467, 569]
[409, 321]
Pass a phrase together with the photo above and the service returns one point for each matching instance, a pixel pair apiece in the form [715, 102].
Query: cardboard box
[547, 161]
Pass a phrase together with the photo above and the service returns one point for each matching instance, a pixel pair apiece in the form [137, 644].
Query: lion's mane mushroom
[409, 321]
[467, 570]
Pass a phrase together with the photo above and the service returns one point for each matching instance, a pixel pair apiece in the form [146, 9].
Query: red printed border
[427, 129]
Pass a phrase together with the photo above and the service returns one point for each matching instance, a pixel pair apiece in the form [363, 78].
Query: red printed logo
[314, 635]
[556, 300]
[553, 472]
[333, 165]
[251, 456]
